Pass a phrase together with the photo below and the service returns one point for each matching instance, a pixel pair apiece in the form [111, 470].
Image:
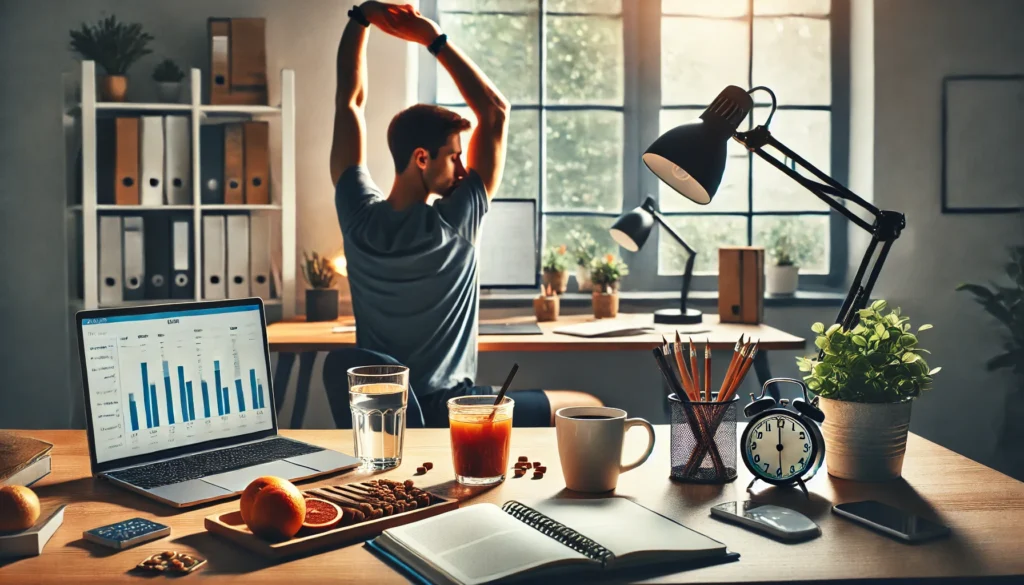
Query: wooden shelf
[130, 106]
[205, 206]
[238, 109]
[243, 207]
[79, 303]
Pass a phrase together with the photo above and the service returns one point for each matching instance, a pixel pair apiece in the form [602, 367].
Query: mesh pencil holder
[703, 440]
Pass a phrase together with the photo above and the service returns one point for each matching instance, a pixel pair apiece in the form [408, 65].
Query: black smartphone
[890, 520]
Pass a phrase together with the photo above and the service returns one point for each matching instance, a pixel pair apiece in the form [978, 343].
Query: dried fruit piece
[523, 458]
[536, 464]
[421, 470]
[428, 465]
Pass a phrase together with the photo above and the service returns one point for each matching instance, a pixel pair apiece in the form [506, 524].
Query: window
[593, 82]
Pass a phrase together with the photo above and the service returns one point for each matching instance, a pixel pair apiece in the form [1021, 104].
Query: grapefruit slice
[321, 515]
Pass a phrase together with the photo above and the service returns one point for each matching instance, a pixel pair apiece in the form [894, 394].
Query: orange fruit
[277, 512]
[19, 508]
[321, 515]
[245, 505]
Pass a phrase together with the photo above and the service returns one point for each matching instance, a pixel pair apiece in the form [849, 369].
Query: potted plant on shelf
[866, 381]
[605, 273]
[168, 76]
[556, 268]
[114, 46]
[584, 250]
[789, 246]
[1006, 304]
[321, 298]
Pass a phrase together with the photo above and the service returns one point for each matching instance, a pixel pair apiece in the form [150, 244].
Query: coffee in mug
[590, 446]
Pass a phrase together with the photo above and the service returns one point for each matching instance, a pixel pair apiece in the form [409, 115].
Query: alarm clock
[782, 446]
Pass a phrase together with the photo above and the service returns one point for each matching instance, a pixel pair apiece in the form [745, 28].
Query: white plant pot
[781, 280]
[583, 279]
[169, 91]
[865, 441]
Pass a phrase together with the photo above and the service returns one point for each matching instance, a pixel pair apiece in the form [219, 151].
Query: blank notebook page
[481, 543]
[624, 527]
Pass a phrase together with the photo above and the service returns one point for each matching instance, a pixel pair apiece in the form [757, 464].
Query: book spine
[558, 531]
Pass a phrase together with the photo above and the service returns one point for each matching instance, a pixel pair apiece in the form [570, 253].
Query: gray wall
[895, 159]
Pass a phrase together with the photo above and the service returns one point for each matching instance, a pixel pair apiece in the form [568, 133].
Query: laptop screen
[174, 378]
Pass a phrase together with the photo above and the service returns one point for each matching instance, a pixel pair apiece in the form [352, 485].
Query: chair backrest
[336, 367]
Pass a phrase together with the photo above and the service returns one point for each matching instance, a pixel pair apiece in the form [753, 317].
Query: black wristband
[438, 44]
[357, 15]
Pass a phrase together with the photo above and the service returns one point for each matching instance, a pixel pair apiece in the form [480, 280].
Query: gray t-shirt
[413, 276]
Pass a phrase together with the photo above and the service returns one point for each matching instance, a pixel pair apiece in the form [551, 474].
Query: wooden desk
[299, 337]
[984, 508]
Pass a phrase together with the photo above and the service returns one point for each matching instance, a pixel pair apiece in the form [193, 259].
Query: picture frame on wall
[982, 146]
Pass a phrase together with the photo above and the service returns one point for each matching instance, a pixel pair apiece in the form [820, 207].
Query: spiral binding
[558, 531]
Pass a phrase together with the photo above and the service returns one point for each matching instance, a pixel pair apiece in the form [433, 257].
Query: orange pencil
[707, 370]
[743, 371]
[683, 372]
[737, 358]
[693, 368]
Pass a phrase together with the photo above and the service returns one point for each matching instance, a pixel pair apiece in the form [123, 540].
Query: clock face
[779, 447]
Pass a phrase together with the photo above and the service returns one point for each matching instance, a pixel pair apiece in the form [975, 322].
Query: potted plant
[866, 382]
[605, 273]
[788, 246]
[168, 76]
[1006, 304]
[321, 298]
[584, 250]
[546, 305]
[114, 46]
[556, 268]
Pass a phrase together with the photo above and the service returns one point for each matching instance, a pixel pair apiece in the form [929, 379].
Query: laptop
[180, 405]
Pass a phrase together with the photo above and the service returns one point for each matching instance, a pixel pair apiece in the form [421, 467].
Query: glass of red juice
[481, 438]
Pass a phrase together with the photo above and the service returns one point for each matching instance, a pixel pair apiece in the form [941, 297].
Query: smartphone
[890, 520]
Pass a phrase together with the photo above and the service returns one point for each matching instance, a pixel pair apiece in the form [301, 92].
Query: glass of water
[378, 396]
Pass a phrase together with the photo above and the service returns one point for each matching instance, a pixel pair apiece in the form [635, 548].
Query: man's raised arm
[349, 146]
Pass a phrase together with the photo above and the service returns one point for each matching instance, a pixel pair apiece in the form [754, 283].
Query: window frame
[641, 112]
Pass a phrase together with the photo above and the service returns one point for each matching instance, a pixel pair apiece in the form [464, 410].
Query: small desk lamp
[631, 231]
[691, 159]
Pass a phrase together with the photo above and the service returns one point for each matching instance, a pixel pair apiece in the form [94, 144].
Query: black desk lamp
[691, 159]
[631, 231]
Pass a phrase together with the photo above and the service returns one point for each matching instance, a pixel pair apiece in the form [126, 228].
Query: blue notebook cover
[635, 572]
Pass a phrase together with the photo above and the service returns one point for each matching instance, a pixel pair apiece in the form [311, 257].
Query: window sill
[659, 299]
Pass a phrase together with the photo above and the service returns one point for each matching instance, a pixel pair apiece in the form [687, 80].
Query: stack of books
[23, 460]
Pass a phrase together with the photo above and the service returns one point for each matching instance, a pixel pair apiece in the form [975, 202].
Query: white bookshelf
[81, 109]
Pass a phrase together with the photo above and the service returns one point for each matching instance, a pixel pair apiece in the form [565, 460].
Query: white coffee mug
[590, 446]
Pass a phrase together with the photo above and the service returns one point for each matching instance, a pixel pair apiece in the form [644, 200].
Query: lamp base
[675, 317]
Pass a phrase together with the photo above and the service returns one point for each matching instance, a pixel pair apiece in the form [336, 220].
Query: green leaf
[818, 328]
[879, 330]
[908, 340]
[831, 330]
[934, 371]
[859, 341]
[925, 327]
[821, 342]
[878, 305]
[910, 357]
[977, 290]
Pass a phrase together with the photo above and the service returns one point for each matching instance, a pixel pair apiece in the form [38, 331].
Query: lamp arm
[692, 256]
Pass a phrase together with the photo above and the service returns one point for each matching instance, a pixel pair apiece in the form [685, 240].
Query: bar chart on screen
[163, 383]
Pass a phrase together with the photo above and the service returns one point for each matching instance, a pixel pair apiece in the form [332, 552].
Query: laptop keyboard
[204, 464]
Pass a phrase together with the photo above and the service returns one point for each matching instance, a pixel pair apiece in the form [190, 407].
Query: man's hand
[402, 21]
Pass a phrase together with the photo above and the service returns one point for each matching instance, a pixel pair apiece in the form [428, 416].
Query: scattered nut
[520, 472]
[536, 464]
[537, 475]
[523, 458]
[421, 470]
[409, 483]
[428, 466]
[542, 469]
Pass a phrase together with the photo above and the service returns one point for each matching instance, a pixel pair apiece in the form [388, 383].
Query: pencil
[743, 371]
[707, 370]
[737, 357]
[693, 368]
[683, 371]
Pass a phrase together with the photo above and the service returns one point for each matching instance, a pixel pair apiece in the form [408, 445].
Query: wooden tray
[229, 525]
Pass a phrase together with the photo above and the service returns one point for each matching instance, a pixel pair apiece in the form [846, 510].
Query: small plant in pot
[114, 46]
[168, 76]
[789, 246]
[866, 381]
[605, 273]
[556, 268]
[584, 250]
[321, 298]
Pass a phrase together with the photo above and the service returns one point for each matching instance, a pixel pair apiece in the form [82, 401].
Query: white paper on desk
[606, 328]
[343, 329]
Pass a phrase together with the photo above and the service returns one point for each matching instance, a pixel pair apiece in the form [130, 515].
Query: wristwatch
[357, 15]
[437, 44]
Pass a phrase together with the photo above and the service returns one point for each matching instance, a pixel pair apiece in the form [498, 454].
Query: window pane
[791, 56]
[699, 57]
[808, 134]
[522, 161]
[584, 59]
[557, 228]
[504, 47]
[586, 6]
[705, 7]
[732, 193]
[584, 161]
[805, 237]
[705, 234]
[489, 5]
[809, 7]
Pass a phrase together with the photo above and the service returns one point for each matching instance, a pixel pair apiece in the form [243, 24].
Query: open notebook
[487, 544]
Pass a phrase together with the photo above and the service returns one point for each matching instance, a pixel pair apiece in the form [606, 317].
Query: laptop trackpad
[237, 480]
[187, 492]
[325, 460]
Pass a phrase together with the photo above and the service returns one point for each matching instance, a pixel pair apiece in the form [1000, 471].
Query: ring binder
[558, 531]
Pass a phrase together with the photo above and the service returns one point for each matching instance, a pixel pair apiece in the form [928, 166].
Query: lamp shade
[691, 158]
[632, 228]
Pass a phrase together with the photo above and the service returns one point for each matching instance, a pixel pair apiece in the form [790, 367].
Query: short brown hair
[422, 126]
